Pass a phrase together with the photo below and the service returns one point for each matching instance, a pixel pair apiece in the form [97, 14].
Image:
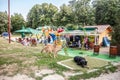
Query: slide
[106, 42]
[53, 36]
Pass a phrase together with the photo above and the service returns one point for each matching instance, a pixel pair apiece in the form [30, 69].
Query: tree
[65, 15]
[116, 35]
[106, 11]
[17, 21]
[41, 15]
[3, 22]
[116, 29]
[49, 12]
[84, 13]
[33, 16]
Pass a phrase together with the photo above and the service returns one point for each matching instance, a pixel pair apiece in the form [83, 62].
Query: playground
[16, 58]
[47, 49]
[75, 52]
[28, 57]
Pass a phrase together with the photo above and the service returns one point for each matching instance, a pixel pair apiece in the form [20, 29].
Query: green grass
[46, 60]
[106, 57]
[93, 63]
[76, 52]
[19, 54]
[22, 55]
[85, 76]
[9, 60]
[93, 74]
[38, 78]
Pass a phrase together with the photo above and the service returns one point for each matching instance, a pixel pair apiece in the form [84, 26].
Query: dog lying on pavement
[80, 61]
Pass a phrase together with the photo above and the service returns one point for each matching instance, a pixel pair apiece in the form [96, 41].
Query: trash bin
[96, 49]
[113, 51]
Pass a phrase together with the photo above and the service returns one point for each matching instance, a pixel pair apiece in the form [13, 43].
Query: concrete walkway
[104, 50]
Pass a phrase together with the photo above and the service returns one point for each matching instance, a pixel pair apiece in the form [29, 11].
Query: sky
[23, 6]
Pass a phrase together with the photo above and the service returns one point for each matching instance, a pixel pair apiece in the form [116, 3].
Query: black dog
[80, 61]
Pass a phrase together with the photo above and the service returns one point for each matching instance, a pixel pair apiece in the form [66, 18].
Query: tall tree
[17, 21]
[65, 15]
[33, 16]
[84, 13]
[106, 11]
[49, 11]
[3, 22]
[41, 15]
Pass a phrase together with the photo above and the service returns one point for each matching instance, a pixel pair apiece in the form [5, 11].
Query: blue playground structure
[106, 42]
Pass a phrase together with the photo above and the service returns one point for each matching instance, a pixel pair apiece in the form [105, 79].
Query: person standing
[79, 44]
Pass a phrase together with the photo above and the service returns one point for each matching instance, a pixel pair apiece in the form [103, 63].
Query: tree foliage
[78, 12]
[3, 22]
[106, 11]
[83, 12]
[41, 15]
[116, 35]
[65, 15]
[17, 21]
[33, 16]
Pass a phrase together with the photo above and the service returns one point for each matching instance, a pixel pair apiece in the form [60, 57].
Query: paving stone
[40, 73]
[53, 77]
[16, 77]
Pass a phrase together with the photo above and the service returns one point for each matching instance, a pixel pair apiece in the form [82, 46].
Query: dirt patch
[9, 69]
[16, 77]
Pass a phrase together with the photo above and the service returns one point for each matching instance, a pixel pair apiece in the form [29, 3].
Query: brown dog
[51, 48]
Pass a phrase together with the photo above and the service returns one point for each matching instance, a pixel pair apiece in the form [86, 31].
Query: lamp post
[9, 21]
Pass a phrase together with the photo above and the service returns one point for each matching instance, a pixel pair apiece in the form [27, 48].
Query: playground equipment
[106, 42]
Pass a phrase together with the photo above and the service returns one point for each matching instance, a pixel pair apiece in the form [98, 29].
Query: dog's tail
[42, 51]
[45, 48]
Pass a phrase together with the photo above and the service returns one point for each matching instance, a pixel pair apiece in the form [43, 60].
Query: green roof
[87, 29]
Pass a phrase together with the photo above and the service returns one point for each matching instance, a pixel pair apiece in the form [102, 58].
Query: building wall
[104, 34]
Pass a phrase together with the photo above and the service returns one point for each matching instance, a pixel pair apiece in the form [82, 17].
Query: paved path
[104, 50]
[110, 76]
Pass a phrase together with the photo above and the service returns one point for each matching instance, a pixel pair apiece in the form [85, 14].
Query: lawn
[16, 58]
[25, 59]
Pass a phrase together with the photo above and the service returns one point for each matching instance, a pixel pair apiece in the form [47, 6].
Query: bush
[115, 35]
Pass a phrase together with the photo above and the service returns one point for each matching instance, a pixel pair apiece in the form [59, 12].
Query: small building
[103, 32]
